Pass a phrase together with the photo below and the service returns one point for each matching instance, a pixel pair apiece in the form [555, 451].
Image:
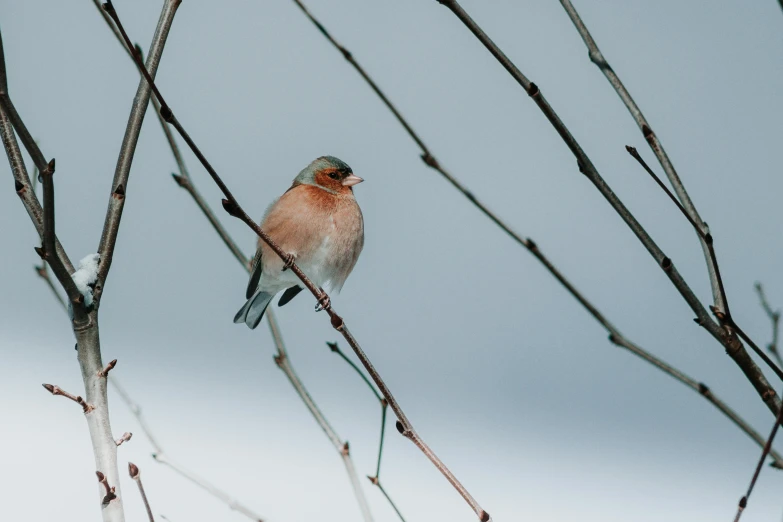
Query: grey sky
[505, 375]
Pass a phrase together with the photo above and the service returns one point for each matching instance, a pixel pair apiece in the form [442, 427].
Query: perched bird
[319, 223]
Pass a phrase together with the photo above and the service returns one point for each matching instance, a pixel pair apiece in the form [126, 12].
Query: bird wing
[255, 275]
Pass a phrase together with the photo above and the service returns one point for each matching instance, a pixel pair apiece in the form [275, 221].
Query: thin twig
[724, 336]
[725, 318]
[43, 273]
[135, 474]
[528, 243]
[56, 390]
[233, 207]
[374, 479]
[598, 59]
[774, 317]
[110, 491]
[119, 184]
[125, 438]
[744, 500]
[160, 456]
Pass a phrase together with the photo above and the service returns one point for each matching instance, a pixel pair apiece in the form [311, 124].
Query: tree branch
[774, 317]
[767, 447]
[724, 336]
[528, 244]
[128, 148]
[135, 474]
[56, 390]
[598, 59]
[232, 206]
[160, 456]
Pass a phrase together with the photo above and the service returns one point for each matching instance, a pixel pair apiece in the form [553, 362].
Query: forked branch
[774, 317]
[725, 336]
[232, 206]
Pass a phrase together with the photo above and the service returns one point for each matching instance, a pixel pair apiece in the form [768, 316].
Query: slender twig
[111, 491]
[232, 206]
[49, 253]
[374, 479]
[56, 390]
[43, 273]
[767, 447]
[725, 318]
[343, 448]
[774, 317]
[128, 148]
[528, 243]
[135, 474]
[109, 367]
[598, 59]
[160, 456]
[724, 336]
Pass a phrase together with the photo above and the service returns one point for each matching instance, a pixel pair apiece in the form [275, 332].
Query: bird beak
[352, 180]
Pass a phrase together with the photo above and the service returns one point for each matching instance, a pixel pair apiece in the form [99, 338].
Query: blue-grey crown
[324, 162]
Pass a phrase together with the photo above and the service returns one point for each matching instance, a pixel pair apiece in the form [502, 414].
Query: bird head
[330, 174]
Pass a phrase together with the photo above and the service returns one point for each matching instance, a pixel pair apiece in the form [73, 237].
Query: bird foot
[288, 261]
[324, 302]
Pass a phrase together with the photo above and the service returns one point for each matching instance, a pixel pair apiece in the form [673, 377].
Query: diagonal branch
[767, 447]
[774, 317]
[725, 336]
[374, 479]
[719, 296]
[135, 474]
[233, 207]
[160, 456]
[128, 148]
[529, 244]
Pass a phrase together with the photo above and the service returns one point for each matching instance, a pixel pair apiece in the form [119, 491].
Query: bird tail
[253, 310]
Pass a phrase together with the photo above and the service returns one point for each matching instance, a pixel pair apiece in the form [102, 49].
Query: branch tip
[56, 390]
[333, 346]
[230, 207]
[179, 179]
[125, 438]
[374, 480]
[484, 516]
[41, 252]
[133, 470]
[109, 367]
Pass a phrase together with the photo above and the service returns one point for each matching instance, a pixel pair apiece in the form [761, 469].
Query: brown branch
[125, 438]
[160, 456]
[135, 474]
[767, 447]
[528, 243]
[232, 206]
[56, 390]
[774, 317]
[724, 336]
[128, 148]
[724, 318]
[719, 296]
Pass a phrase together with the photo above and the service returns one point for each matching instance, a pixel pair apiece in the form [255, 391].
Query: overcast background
[511, 382]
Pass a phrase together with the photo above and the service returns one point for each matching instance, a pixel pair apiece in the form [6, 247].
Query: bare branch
[767, 447]
[56, 390]
[528, 243]
[377, 483]
[43, 273]
[283, 362]
[160, 456]
[774, 317]
[724, 318]
[125, 438]
[128, 148]
[135, 474]
[231, 205]
[719, 296]
[726, 337]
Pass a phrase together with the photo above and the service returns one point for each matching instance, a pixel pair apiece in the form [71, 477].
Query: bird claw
[288, 262]
[324, 302]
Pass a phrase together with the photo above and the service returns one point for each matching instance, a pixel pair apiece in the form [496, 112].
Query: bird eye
[333, 175]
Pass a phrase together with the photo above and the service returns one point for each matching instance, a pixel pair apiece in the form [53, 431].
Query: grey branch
[774, 317]
[528, 244]
[119, 184]
[652, 139]
[725, 335]
[160, 456]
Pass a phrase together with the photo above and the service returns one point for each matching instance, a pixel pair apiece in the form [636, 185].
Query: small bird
[319, 223]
